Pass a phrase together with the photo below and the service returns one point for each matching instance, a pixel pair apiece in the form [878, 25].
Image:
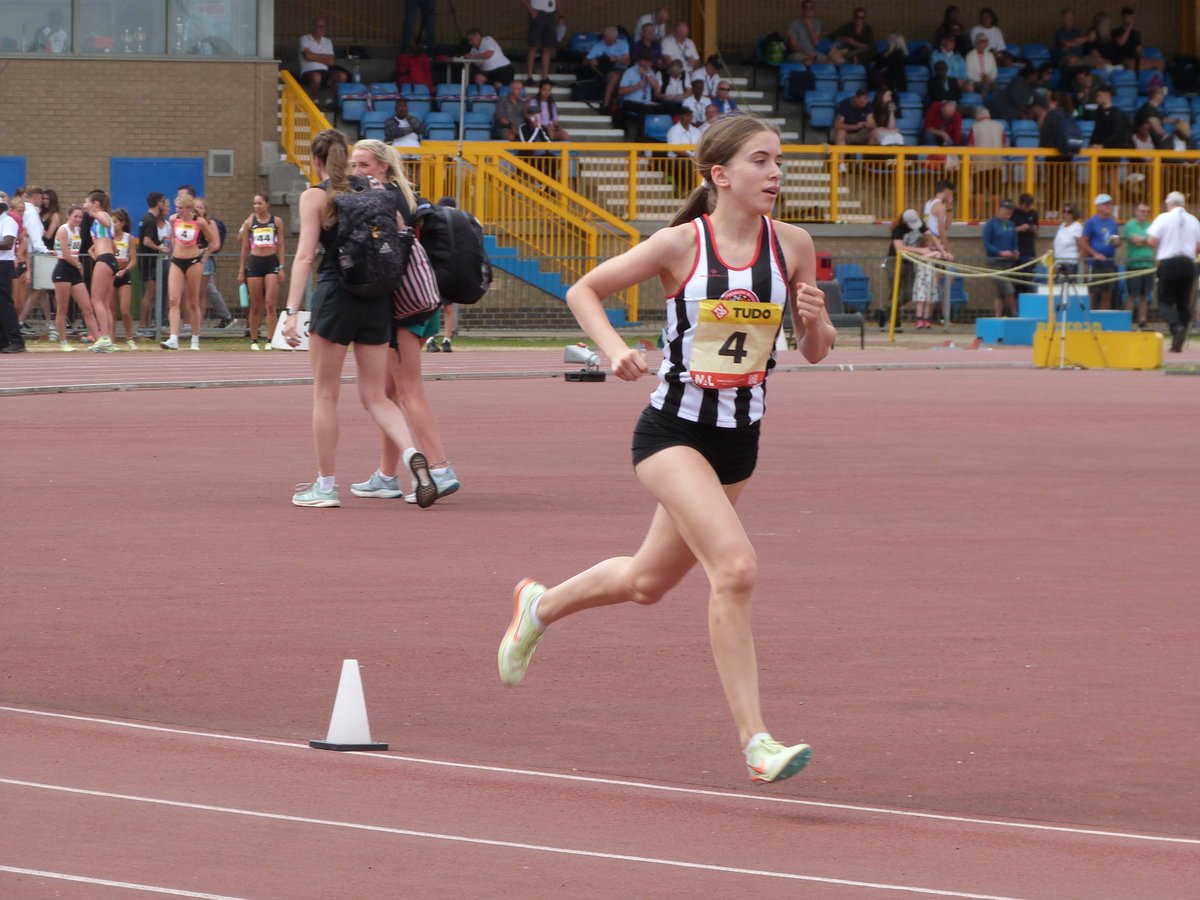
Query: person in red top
[943, 125]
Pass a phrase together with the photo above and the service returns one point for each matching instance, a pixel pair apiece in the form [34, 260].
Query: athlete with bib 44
[727, 269]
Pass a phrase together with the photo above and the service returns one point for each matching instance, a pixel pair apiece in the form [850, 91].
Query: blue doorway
[12, 173]
[131, 178]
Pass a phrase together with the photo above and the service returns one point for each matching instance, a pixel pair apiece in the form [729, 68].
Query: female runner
[406, 387]
[68, 278]
[696, 445]
[187, 261]
[339, 319]
[122, 296]
[104, 252]
[261, 266]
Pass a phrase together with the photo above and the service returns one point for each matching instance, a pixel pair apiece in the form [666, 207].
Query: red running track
[976, 601]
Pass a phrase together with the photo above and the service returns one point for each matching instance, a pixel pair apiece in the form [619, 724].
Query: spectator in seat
[317, 62]
[711, 74]
[981, 65]
[989, 25]
[510, 112]
[952, 25]
[491, 65]
[675, 87]
[1084, 88]
[942, 86]
[403, 129]
[956, 65]
[1067, 43]
[986, 132]
[856, 38]
[609, 59]
[887, 69]
[648, 45]
[884, 111]
[1150, 113]
[683, 132]
[1127, 42]
[804, 36]
[679, 46]
[698, 100]
[943, 125]
[547, 111]
[639, 89]
[1015, 99]
[723, 99]
[710, 115]
[854, 122]
[659, 19]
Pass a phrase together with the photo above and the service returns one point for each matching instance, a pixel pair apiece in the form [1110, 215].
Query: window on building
[220, 28]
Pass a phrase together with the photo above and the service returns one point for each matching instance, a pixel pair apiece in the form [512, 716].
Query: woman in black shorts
[187, 263]
[406, 387]
[122, 293]
[68, 278]
[261, 266]
[339, 319]
[696, 445]
[104, 252]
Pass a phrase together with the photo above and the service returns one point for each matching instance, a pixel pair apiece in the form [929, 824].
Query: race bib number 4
[733, 343]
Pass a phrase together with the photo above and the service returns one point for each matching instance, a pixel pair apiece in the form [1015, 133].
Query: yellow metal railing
[527, 202]
[300, 122]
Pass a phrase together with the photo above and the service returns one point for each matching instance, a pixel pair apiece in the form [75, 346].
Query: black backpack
[453, 241]
[372, 251]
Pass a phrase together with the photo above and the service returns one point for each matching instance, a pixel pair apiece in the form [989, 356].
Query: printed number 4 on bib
[733, 343]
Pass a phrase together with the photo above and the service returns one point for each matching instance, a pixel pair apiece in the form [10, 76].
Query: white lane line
[639, 785]
[509, 845]
[104, 882]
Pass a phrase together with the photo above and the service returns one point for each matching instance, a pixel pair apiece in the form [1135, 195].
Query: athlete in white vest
[727, 276]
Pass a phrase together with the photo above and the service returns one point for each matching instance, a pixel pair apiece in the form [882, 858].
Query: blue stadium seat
[1005, 74]
[440, 119]
[374, 133]
[1025, 141]
[582, 42]
[967, 125]
[852, 76]
[1036, 53]
[969, 100]
[918, 80]
[384, 92]
[656, 126]
[482, 93]
[419, 108]
[825, 75]
[477, 134]
[415, 90]
[1119, 77]
[441, 133]
[352, 110]
[373, 118]
[1179, 107]
[480, 117]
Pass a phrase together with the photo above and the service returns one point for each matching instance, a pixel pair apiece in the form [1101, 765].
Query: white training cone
[348, 727]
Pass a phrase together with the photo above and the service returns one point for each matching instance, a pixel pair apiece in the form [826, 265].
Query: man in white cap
[1101, 236]
[1175, 237]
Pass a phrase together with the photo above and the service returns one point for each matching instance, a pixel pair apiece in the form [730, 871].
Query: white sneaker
[768, 760]
[171, 343]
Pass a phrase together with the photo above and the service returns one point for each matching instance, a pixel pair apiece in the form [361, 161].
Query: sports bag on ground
[453, 240]
[372, 249]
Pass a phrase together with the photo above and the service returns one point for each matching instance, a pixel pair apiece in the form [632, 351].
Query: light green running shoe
[522, 638]
[768, 760]
[312, 495]
[378, 485]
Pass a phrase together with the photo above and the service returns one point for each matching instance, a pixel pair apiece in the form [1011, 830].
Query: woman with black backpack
[342, 313]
